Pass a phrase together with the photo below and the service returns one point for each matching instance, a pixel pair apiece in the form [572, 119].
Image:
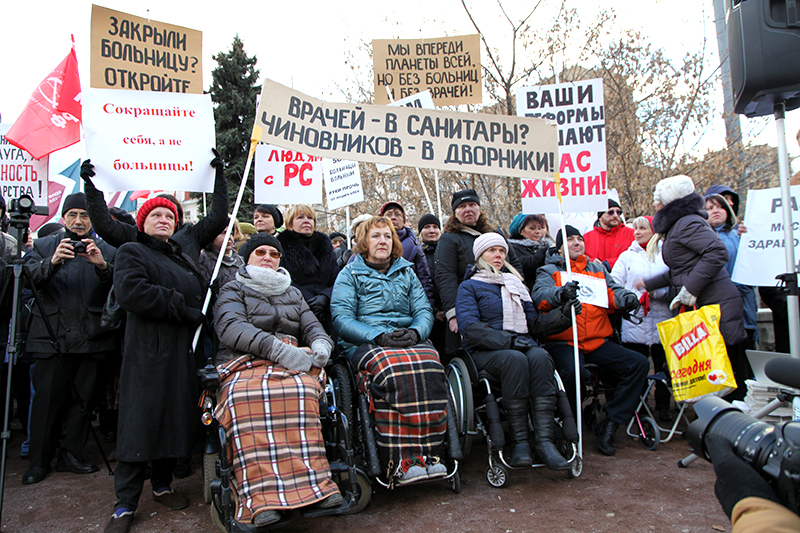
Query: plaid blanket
[275, 447]
[408, 397]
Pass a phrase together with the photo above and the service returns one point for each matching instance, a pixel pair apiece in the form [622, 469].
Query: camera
[770, 450]
[78, 247]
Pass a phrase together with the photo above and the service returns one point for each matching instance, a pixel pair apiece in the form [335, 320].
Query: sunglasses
[273, 254]
[613, 212]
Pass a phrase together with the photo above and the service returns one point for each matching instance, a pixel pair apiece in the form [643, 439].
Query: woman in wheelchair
[498, 323]
[268, 399]
[383, 318]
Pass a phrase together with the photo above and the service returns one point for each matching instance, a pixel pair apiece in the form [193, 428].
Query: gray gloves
[684, 297]
[322, 351]
[290, 357]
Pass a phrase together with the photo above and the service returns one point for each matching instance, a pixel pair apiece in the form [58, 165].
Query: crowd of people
[395, 304]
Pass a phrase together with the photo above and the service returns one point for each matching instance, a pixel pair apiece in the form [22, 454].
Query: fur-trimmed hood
[306, 255]
[677, 209]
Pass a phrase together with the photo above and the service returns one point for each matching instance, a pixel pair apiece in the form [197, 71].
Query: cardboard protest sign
[20, 173]
[421, 100]
[143, 140]
[762, 251]
[287, 177]
[427, 138]
[129, 52]
[450, 67]
[578, 109]
[342, 183]
[591, 290]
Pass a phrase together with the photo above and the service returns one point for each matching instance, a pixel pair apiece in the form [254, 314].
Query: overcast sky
[306, 44]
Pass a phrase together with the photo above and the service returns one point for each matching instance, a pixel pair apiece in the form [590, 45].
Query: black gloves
[523, 344]
[568, 292]
[318, 304]
[87, 171]
[399, 338]
[629, 303]
[736, 479]
[565, 309]
[217, 162]
[193, 316]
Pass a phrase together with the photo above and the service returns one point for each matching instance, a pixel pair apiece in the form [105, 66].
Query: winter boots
[517, 417]
[543, 409]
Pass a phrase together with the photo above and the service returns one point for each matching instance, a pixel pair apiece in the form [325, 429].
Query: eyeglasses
[612, 212]
[273, 254]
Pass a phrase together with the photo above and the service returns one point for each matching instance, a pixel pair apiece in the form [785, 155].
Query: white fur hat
[670, 189]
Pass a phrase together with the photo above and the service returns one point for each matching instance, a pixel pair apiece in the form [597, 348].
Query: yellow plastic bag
[696, 354]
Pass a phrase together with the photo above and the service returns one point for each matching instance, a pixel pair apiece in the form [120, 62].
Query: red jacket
[607, 245]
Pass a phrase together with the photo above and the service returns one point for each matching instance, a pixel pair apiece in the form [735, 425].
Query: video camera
[772, 450]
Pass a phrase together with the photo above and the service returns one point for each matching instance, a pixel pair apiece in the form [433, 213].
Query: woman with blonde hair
[383, 318]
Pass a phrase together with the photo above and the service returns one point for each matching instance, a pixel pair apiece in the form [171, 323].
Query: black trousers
[54, 403]
[628, 367]
[129, 480]
[522, 375]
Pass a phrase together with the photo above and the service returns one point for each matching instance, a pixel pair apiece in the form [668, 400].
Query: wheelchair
[354, 484]
[354, 405]
[479, 411]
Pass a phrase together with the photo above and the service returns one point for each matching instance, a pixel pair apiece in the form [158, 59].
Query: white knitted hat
[486, 241]
[671, 189]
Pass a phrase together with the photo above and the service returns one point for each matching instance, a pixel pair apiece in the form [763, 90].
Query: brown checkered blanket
[408, 397]
[275, 446]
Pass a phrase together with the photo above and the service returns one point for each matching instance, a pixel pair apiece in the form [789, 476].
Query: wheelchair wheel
[651, 438]
[209, 474]
[455, 483]
[497, 476]
[344, 398]
[575, 467]
[461, 392]
[364, 490]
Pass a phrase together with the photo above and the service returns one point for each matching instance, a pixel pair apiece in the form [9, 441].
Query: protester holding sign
[191, 238]
[594, 331]
[454, 254]
[696, 258]
[308, 256]
[610, 237]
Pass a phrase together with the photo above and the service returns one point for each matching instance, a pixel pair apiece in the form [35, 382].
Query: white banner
[422, 100]
[147, 140]
[762, 252]
[578, 109]
[342, 183]
[591, 290]
[20, 173]
[287, 177]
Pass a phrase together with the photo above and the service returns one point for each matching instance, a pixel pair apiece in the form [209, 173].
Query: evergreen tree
[234, 91]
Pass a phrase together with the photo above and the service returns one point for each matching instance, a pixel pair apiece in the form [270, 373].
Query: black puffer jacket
[696, 258]
[531, 256]
[246, 320]
[73, 295]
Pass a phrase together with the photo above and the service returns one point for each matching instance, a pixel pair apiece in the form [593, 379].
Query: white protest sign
[591, 290]
[287, 177]
[495, 145]
[342, 183]
[762, 252]
[20, 173]
[578, 109]
[422, 100]
[148, 140]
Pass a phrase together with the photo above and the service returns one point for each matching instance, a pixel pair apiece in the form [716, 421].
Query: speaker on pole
[764, 50]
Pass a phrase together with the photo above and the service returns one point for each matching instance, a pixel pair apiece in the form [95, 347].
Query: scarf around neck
[265, 280]
[513, 292]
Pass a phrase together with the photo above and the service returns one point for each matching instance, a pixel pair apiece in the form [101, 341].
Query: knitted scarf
[513, 292]
[265, 280]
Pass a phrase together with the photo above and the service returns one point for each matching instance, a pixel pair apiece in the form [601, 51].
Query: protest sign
[342, 183]
[20, 173]
[287, 177]
[129, 52]
[427, 138]
[591, 290]
[450, 67]
[421, 100]
[762, 251]
[143, 140]
[578, 109]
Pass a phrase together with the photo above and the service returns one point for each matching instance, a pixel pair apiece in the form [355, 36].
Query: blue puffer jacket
[366, 303]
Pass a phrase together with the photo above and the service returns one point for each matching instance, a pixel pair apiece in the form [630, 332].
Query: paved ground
[637, 490]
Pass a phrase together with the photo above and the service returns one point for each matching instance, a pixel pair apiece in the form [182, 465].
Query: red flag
[51, 120]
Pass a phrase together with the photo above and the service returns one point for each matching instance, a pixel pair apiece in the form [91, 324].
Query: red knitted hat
[151, 204]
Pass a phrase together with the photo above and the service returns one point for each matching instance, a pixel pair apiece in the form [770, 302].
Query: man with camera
[72, 272]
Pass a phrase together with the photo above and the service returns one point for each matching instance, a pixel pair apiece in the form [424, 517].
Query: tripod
[20, 212]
